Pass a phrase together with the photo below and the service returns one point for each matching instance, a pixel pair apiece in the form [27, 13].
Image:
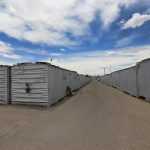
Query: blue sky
[85, 36]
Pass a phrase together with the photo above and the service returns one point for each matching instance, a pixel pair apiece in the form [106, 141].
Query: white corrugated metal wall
[143, 78]
[5, 84]
[133, 80]
[46, 83]
[128, 80]
[33, 77]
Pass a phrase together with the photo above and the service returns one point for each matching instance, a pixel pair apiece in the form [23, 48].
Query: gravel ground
[96, 118]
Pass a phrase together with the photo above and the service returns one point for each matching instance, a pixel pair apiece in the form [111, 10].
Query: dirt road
[96, 118]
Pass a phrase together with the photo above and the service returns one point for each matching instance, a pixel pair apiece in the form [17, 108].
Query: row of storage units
[38, 82]
[134, 80]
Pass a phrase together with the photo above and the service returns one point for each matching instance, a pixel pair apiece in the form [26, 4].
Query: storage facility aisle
[96, 118]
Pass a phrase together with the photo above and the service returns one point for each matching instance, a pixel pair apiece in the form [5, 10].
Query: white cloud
[38, 53]
[47, 21]
[7, 51]
[136, 20]
[94, 62]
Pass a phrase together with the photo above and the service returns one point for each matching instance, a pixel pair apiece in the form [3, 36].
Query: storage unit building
[116, 79]
[39, 83]
[125, 80]
[128, 81]
[74, 81]
[82, 80]
[5, 83]
[143, 79]
[134, 80]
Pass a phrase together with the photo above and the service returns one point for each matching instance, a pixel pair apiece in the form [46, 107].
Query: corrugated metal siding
[116, 79]
[75, 81]
[48, 83]
[56, 84]
[128, 81]
[36, 75]
[144, 79]
[4, 84]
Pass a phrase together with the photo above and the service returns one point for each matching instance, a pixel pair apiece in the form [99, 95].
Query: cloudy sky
[82, 35]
